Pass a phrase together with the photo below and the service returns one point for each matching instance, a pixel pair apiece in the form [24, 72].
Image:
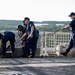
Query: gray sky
[37, 10]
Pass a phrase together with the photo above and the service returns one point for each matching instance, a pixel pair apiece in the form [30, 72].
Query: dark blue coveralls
[72, 39]
[23, 31]
[31, 42]
[8, 36]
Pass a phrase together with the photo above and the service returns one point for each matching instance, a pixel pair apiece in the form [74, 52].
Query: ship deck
[38, 66]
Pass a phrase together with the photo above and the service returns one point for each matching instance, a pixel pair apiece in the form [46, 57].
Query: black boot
[65, 54]
[25, 55]
[3, 55]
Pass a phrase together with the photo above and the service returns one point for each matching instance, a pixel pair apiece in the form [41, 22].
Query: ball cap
[26, 18]
[19, 26]
[71, 14]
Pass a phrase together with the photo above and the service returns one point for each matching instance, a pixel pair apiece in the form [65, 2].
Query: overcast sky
[37, 10]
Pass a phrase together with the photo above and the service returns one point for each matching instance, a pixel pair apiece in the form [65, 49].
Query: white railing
[48, 41]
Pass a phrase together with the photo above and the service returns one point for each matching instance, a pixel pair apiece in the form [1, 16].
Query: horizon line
[33, 20]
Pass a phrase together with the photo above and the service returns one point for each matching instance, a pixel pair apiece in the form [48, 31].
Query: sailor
[32, 38]
[21, 30]
[72, 39]
[7, 36]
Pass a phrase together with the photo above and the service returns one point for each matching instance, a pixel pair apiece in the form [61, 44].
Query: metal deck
[38, 66]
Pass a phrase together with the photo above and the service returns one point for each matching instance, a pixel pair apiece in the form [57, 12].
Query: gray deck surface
[38, 66]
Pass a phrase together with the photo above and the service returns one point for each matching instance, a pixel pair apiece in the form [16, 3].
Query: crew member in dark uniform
[71, 26]
[7, 36]
[31, 39]
[22, 30]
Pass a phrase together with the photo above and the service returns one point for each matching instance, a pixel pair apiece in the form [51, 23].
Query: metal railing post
[55, 42]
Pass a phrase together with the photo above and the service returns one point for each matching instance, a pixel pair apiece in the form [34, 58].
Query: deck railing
[48, 41]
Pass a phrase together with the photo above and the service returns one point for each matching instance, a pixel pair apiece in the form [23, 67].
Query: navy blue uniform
[24, 40]
[72, 39]
[8, 36]
[31, 42]
[30, 24]
[23, 31]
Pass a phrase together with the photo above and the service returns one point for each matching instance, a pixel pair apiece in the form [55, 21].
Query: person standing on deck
[31, 39]
[72, 39]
